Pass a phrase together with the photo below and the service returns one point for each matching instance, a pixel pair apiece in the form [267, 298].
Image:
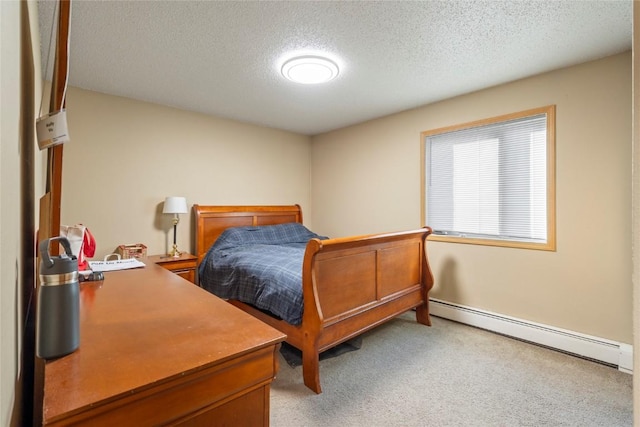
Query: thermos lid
[63, 264]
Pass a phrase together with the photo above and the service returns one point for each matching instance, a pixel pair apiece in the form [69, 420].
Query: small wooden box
[136, 250]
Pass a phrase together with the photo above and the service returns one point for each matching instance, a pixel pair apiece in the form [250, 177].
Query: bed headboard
[211, 221]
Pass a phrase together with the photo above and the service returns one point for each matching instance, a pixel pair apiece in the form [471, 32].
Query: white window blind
[489, 181]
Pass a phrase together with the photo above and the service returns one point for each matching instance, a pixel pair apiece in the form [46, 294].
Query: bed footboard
[353, 284]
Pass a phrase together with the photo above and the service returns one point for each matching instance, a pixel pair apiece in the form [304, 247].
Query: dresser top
[143, 326]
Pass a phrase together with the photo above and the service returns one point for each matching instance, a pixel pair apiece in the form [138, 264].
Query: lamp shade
[175, 205]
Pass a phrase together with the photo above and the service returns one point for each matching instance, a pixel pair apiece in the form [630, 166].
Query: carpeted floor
[451, 374]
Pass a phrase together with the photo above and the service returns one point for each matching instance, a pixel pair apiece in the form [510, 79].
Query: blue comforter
[261, 266]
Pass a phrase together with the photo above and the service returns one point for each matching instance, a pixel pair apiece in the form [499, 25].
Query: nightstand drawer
[184, 266]
[189, 274]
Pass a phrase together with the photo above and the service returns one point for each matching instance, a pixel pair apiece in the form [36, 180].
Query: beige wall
[9, 199]
[126, 156]
[14, 109]
[366, 178]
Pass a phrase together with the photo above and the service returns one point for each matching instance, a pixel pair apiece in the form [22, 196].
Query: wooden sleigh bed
[349, 285]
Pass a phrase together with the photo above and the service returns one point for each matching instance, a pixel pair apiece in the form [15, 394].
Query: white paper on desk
[121, 264]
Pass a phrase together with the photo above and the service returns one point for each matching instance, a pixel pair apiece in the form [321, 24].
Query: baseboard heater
[601, 350]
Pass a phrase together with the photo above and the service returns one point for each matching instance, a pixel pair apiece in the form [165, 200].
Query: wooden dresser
[156, 350]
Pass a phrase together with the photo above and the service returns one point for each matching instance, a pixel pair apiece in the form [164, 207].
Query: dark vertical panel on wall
[50, 203]
[52, 200]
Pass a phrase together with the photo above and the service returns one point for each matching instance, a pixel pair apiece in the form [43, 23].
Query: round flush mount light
[310, 69]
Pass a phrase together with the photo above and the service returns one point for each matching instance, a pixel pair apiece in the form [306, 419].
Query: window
[492, 182]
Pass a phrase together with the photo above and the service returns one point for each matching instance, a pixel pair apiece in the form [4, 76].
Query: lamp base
[174, 252]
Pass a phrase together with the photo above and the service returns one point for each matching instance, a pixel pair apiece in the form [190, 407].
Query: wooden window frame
[550, 244]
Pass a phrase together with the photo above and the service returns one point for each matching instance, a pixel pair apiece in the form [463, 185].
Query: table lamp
[175, 206]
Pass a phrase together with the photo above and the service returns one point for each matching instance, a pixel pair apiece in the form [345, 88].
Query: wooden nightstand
[184, 266]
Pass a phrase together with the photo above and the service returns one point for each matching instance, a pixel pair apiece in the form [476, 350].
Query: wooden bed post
[422, 311]
[312, 320]
[311, 363]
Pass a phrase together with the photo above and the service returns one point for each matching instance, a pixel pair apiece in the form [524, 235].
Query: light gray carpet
[451, 374]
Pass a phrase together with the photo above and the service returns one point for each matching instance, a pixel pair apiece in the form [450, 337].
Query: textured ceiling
[223, 57]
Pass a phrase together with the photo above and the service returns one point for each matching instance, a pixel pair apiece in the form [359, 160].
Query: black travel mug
[58, 311]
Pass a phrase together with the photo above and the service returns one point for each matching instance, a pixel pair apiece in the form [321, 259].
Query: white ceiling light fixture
[310, 69]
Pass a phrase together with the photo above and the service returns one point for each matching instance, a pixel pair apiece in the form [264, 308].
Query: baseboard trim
[599, 349]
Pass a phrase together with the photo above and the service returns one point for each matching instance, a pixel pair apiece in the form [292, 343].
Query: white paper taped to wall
[52, 129]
